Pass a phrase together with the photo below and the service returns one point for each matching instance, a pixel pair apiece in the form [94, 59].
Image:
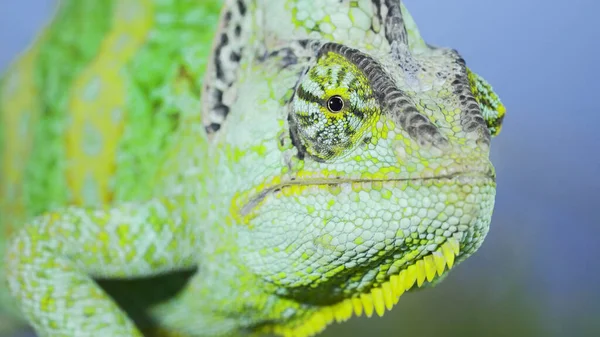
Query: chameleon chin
[301, 161]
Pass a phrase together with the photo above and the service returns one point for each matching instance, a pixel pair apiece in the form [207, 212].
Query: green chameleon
[192, 168]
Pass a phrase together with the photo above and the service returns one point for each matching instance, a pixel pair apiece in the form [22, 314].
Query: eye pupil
[335, 104]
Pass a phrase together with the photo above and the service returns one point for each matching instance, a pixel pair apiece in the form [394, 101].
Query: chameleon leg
[53, 261]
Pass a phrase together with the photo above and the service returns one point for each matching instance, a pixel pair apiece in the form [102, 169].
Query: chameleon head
[379, 177]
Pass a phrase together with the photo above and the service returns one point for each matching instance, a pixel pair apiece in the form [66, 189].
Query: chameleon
[235, 168]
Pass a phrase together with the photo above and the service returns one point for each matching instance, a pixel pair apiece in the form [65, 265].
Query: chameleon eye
[333, 108]
[335, 103]
[491, 108]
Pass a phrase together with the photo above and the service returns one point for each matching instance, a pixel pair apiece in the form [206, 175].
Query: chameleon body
[253, 166]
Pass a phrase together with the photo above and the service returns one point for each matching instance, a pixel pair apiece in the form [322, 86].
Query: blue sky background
[538, 273]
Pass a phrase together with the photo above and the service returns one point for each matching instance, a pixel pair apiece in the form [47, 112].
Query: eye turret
[492, 109]
[333, 107]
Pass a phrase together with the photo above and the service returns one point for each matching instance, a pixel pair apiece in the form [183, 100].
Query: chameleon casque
[192, 168]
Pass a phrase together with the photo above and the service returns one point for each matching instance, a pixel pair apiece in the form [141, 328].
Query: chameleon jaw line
[258, 198]
[380, 298]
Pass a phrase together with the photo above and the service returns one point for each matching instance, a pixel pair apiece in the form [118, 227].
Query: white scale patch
[349, 77]
[89, 191]
[403, 56]
[92, 139]
[92, 89]
[332, 83]
[313, 129]
[312, 87]
[358, 102]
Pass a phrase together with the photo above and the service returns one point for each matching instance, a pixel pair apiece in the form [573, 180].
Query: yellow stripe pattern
[98, 105]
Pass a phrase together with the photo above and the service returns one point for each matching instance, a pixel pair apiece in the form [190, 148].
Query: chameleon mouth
[379, 299]
[294, 186]
[381, 296]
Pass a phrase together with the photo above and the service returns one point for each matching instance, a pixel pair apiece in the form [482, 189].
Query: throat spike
[448, 252]
[367, 302]
[357, 305]
[430, 267]
[421, 273]
[388, 295]
[411, 277]
[440, 262]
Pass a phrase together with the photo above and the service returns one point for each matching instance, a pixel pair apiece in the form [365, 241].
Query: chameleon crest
[269, 167]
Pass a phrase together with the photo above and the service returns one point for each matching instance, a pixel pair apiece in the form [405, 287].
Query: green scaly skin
[265, 167]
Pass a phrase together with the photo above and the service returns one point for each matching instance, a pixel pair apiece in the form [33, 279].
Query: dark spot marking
[218, 95]
[241, 7]
[235, 57]
[218, 65]
[303, 43]
[305, 120]
[358, 113]
[213, 127]
[296, 138]
[307, 96]
[221, 110]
